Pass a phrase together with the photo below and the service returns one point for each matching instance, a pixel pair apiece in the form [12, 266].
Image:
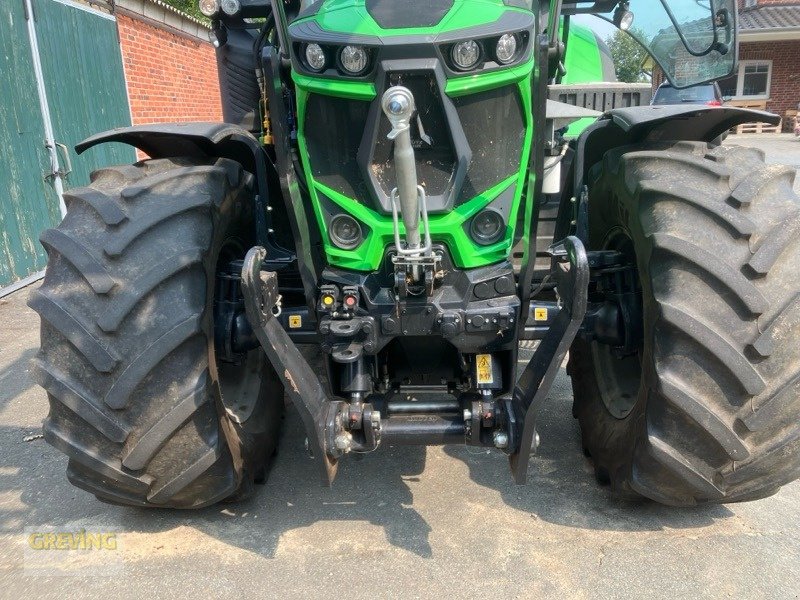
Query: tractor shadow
[375, 490]
[562, 488]
[14, 378]
[370, 491]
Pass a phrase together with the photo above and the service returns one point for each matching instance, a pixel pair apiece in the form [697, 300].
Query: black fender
[224, 140]
[200, 140]
[637, 124]
[197, 140]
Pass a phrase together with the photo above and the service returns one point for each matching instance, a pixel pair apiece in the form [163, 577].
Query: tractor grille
[492, 121]
[495, 130]
[333, 131]
[435, 157]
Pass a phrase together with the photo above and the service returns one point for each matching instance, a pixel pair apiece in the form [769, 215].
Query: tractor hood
[394, 17]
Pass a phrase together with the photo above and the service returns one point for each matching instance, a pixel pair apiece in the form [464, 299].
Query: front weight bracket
[317, 411]
[533, 386]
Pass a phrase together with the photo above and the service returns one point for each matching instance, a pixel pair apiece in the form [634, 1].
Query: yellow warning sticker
[484, 368]
[295, 321]
[540, 314]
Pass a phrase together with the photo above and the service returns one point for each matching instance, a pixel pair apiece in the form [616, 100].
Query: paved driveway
[404, 522]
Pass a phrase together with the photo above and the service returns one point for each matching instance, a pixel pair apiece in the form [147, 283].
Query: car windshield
[666, 94]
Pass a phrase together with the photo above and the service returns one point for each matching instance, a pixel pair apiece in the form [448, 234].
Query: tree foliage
[189, 7]
[628, 57]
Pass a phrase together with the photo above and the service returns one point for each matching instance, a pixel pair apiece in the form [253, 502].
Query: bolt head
[500, 439]
[342, 442]
[397, 104]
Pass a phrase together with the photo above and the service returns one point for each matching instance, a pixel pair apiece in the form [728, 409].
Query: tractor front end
[414, 130]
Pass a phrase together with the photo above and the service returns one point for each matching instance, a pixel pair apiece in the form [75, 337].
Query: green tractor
[366, 235]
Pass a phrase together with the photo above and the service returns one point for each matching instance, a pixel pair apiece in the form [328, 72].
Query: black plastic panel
[495, 129]
[236, 66]
[333, 130]
[436, 161]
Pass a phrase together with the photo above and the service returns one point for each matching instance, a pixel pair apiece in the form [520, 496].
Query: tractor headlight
[354, 59]
[208, 7]
[487, 227]
[506, 49]
[230, 7]
[315, 57]
[345, 232]
[466, 54]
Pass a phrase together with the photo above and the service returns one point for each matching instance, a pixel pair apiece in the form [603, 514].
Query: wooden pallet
[758, 128]
[754, 127]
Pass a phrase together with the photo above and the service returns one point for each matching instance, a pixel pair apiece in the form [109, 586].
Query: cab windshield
[693, 41]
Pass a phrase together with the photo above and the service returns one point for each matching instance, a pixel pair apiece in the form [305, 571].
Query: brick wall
[784, 91]
[171, 75]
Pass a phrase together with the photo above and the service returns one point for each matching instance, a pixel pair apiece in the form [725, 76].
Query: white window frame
[740, 80]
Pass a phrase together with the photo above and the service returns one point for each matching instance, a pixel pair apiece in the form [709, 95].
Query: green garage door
[85, 85]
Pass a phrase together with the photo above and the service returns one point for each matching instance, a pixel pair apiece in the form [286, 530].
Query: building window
[751, 81]
[755, 80]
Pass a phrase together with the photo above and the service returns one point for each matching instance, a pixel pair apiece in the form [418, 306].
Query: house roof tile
[769, 17]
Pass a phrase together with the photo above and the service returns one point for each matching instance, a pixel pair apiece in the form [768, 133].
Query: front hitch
[330, 428]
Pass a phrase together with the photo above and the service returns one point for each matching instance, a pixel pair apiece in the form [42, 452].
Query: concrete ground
[404, 522]
[781, 148]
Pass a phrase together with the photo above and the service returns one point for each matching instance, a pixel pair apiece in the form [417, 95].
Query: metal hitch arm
[318, 412]
[537, 379]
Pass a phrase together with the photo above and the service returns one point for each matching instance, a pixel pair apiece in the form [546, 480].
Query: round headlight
[230, 7]
[506, 48]
[209, 7]
[623, 18]
[487, 227]
[466, 54]
[345, 232]
[354, 59]
[315, 57]
[626, 20]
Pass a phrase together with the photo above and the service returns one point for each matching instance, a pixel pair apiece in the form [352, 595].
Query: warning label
[540, 314]
[484, 368]
[295, 321]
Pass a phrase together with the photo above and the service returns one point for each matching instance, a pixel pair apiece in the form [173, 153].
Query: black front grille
[495, 130]
[493, 127]
[333, 130]
[436, 160]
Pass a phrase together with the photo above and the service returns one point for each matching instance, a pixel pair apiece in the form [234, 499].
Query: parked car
[705, 93]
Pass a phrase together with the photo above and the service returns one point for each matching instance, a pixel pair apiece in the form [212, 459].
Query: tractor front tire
[139, 403]
[707, 411]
